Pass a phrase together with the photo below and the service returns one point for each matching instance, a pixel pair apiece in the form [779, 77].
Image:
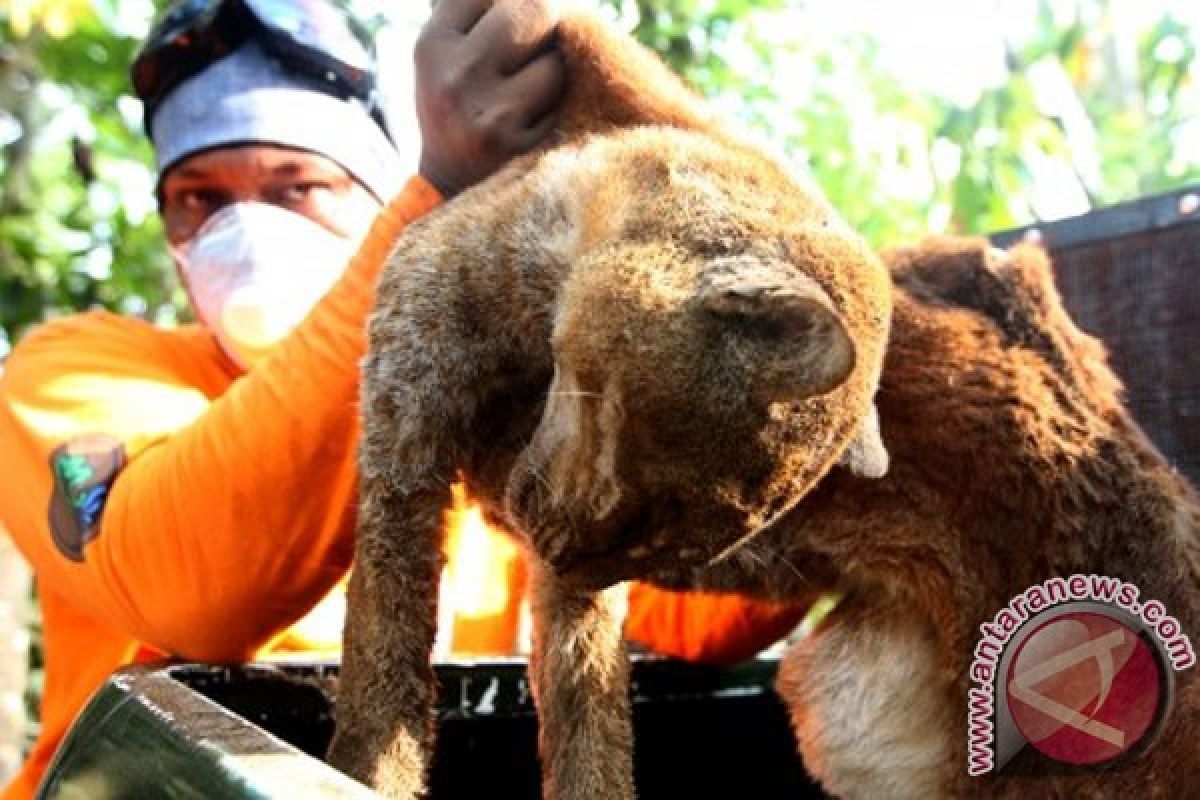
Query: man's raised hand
[489, 82]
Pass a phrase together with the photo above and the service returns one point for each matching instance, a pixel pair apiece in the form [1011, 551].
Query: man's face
[298, 180]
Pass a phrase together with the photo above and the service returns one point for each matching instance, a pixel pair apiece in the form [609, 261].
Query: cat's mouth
[596, 575]
[601, 572]
[640, 543]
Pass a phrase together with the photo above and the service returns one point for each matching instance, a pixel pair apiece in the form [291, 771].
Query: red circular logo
[1084, 688]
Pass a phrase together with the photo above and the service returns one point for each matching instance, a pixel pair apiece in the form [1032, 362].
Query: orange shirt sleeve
[228, 517]
[708, 627]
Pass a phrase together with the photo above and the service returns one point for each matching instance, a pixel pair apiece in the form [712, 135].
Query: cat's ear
[866, 456]
[766, 301]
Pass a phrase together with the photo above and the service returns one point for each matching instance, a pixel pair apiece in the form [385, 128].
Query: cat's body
[1013, 461]
[639, 347]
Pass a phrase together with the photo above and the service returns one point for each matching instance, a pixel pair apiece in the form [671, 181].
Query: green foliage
[691, 36]
[76, 230]
[1070, 124]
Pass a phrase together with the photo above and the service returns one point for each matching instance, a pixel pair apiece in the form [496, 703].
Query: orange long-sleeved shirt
[171, 504]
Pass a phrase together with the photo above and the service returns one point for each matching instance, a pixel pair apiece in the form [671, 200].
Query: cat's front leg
[387, 688]
[580, 672]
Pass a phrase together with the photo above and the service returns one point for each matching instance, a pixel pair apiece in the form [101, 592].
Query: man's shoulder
[103, 340]
[106, 328]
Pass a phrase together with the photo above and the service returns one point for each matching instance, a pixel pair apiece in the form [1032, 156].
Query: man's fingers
[457, 15]
[537, 88]
[533, 135]
[489, 82]
[514, 32]
[524, 107]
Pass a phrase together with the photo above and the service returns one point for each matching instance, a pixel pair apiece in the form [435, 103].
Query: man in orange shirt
[190, 492]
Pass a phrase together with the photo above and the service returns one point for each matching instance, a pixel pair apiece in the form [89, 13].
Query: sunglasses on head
[314, 38]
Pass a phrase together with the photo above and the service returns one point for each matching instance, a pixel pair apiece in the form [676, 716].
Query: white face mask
[255, 270]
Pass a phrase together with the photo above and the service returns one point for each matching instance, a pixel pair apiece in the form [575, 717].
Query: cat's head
[700, 388]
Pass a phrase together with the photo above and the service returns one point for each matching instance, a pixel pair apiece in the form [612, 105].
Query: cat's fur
[640, 347]
[1013, 460]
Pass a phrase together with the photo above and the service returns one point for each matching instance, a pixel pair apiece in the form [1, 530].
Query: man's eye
[200, 199]
[302, 192]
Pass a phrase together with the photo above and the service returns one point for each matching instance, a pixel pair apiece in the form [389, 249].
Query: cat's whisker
[542, 483]
[749, 557]
[801, 578]
[573, 393]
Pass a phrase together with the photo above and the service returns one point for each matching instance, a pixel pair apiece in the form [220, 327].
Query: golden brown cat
[640, 347]
[1013, 460]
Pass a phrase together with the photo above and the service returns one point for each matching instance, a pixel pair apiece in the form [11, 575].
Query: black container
[192, 731]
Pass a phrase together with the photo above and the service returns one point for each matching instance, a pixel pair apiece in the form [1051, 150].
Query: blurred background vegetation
[960, 115]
